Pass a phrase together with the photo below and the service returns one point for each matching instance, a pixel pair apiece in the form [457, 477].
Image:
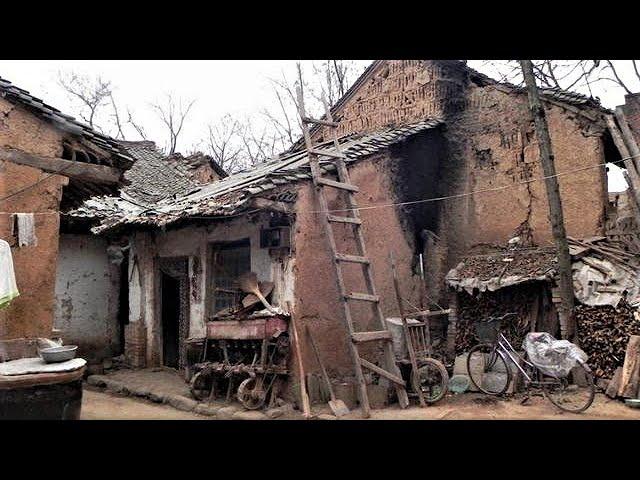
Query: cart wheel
[433, 379]
[201, 385]
[251, 394]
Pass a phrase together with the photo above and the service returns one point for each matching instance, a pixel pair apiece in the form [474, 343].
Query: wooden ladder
[391, 372]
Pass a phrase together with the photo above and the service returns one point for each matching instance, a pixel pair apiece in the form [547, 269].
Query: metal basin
[58, 354]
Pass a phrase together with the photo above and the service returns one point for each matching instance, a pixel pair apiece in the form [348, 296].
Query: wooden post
[407, 337]
[630, 369]
[304, 396]
[567, 320]
[628, 137]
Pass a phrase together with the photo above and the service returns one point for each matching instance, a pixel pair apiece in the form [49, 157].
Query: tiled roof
[152, 178]
[64, 122]
[232, 194]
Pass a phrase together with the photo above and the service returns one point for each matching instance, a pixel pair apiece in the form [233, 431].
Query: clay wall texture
[31, 314]
[488, 142]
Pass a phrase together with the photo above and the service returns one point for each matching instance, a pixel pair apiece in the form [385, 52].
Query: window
[228, 262]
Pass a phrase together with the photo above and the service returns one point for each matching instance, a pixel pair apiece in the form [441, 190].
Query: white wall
[86, 296]
[193, 242]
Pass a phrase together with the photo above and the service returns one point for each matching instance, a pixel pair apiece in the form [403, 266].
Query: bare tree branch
[92, 93]
[173, 116]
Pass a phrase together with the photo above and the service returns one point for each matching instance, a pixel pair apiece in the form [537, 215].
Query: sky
[238, 87]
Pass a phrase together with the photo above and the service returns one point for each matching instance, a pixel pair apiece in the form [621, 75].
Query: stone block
[181, 403]
[207, 409]
[249, 415]
[226, 413]
[96, 381]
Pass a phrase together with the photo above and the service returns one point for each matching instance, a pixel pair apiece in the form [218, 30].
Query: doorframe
[185, 310]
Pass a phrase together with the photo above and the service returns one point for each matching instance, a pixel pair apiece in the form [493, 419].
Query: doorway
[174, 310]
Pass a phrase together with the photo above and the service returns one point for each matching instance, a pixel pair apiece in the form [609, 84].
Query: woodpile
[492, 304]
[603, 333]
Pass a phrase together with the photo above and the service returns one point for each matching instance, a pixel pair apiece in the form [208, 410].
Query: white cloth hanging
[8, 287]
[26, 230]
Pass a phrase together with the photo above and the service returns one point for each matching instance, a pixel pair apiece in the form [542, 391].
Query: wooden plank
[614, 384]
[382, 372]
[317, 121]
[60, 166]
[267, 204]
[630, 369]
[365, 297]
[327, 153]
[343, 257]
[360, 337]
[340, 185]
[429, 313]
[304, 396]
[336, 219]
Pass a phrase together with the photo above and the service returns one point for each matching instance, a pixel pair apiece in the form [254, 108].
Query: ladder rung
[343, 257]
[365, 297]
[334, 218]
[326, 153]
[319, 122]
[359, 337]
[334, 184]
[382, 372]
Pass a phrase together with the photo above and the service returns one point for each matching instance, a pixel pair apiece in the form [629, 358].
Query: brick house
[412, 130]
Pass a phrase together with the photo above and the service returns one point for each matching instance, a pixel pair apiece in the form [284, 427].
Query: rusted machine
[245, 357]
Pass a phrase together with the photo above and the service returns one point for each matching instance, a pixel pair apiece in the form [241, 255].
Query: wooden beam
[266, 204]
[632, 176]
[382, 372]
[60, 166]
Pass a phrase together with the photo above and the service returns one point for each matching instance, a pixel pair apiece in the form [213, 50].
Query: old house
[49, 162]
[92, 286]
[420, 136]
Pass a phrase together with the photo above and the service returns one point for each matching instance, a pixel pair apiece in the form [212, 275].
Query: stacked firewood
[603, 333]
[493, 304]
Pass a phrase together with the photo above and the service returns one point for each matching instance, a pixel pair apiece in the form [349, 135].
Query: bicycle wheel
[433, 379]
[573, 394]
[488, 370]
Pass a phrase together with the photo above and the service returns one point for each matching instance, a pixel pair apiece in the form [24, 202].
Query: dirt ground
[475, 406]
[98, 405]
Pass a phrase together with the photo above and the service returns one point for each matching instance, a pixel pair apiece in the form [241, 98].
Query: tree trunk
[567, 321]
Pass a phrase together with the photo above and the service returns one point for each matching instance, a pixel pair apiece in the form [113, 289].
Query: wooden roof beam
[68, 168]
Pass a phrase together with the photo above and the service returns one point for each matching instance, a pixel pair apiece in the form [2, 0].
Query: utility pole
[567, 320]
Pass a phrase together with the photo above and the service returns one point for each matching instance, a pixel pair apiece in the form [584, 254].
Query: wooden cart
[251, 354]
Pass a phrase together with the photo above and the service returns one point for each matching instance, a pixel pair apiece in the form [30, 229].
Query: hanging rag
[8, 287]
[26, 230]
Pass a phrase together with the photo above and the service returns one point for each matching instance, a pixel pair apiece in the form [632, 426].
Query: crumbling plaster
[194, 242]
[87, 296]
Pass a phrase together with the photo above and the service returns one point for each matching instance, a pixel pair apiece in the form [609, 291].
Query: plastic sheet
[553, 357]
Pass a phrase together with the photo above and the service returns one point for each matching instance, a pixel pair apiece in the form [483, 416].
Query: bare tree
[91, 92]
[173, 116]
[224, 143]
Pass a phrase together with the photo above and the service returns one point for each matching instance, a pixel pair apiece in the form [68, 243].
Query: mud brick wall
[31, 314]
[488, 142]
[316, 294]
[497, 141]
[631, 110]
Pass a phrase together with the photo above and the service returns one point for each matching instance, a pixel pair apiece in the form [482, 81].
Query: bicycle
[574, 393]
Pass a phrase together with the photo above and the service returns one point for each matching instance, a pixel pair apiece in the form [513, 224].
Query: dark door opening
[123, 304]
[170, 320]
